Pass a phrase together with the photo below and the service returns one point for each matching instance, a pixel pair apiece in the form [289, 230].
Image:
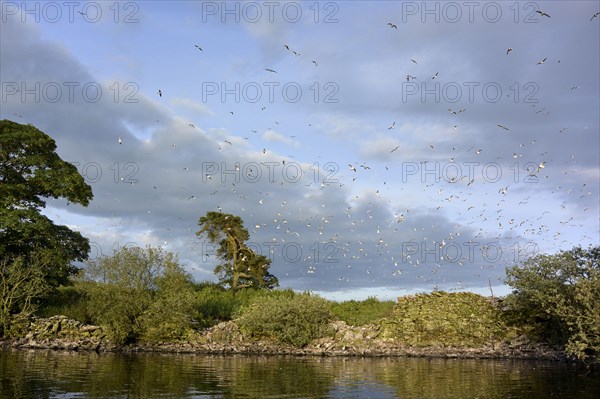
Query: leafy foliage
[30, 170]
[22, 282]
[216, 304]
[461, 319]
[240, 267]
[173, 308]
[70, 301]
[140, 291]
[558, 298]
[358, 313]
[290, 319]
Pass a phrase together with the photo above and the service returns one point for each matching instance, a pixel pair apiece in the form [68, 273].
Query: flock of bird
[459, 210]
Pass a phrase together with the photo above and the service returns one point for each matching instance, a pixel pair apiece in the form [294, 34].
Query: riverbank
[61, 333]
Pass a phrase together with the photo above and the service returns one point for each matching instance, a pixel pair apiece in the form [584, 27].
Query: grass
[359, 313]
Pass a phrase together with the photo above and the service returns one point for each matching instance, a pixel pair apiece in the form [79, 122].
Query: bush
[173, 309]
[69, 301]
[139, 291]
[215, 304]
[359, 313]
[461, 319]
[294, 320]
[22, 284]
[557, 297]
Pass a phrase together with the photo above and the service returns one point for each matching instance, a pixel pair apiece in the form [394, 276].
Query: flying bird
[120, 141]
[509, 50]
[392, 126]
[286, 46]
[594, 16]
[270, 70]
[541, 166]
[435, 76]
[315, 62]
[395, 148]
[198, 47]
[543, 14]
[542, 61]
[391, 25]
[503, 127]
[414, 61]
[159, 92]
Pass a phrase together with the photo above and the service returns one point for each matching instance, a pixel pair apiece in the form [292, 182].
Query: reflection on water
[50, 374]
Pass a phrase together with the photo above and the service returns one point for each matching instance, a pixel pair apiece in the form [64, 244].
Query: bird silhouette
[543, 14]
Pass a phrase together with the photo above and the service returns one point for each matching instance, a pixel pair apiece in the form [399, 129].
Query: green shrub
[461, 319]
[135, 290]
[557, 298]
[290, 319]
[359, 313]
[23, 282]
[215, 304]
[69, 301]
[171, 314]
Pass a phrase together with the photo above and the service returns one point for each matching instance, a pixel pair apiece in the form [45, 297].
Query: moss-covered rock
[460, 319]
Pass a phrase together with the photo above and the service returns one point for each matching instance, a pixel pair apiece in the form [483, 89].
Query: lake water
[62, 374]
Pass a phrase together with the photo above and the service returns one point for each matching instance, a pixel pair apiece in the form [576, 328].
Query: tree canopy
[240, 266]
[559, 296]
[30, 172]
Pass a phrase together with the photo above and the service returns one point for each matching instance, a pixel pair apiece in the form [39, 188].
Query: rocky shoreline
[61, 333]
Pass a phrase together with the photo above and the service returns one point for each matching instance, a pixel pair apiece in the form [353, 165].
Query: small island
[142, 299]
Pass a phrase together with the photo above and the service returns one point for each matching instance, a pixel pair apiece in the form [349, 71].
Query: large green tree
[559, 297]
[240, 266]
[30, 172]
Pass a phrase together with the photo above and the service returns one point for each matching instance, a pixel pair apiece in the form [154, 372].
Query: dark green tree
[240, 266]
[30, 172]
[559, 296]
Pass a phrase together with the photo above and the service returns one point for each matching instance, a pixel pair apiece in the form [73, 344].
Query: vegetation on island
[145, 295]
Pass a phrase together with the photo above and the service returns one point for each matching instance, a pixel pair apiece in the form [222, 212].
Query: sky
[371, 148]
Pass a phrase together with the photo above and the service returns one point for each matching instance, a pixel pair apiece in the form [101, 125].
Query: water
[61, 374]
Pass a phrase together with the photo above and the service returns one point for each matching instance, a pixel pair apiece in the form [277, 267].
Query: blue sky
[415, 152]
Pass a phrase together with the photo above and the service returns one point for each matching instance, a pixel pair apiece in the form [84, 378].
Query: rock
[89, 328]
